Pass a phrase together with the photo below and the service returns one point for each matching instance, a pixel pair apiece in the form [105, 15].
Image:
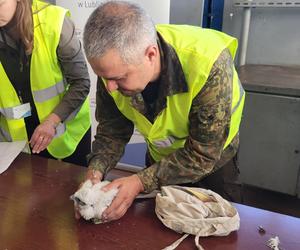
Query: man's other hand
[129, 188]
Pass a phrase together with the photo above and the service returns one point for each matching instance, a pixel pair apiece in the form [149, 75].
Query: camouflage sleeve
[208, 130]
[113, 132]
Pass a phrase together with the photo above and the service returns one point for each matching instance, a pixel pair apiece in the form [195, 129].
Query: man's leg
[225, 181]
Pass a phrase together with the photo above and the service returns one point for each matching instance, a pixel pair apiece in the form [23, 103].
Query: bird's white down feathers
[92, 201]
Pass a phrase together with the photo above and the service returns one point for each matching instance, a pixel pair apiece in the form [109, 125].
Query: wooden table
[36, 213]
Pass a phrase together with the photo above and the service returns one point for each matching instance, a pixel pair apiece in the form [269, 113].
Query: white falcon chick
[92, 201]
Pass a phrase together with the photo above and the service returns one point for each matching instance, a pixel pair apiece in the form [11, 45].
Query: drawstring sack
[196, 211]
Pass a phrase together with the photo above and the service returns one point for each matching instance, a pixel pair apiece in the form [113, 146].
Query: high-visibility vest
[47, 85]
[197, 50]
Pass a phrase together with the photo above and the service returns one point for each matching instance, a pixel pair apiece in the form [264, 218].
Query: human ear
[151, 53]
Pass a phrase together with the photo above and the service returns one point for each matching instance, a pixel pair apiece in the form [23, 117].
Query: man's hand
[95, 176]
[129, 188]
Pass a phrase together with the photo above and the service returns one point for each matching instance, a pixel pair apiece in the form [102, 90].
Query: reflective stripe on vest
[8, 112]
[197, 57]
[4, 135]
[61, 127]
[242, 92]
[50, 92]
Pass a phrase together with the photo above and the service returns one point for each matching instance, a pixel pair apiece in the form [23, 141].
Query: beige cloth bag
[196, 211]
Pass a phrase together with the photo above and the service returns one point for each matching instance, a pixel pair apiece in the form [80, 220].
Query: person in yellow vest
[44, 81]
[178, 86]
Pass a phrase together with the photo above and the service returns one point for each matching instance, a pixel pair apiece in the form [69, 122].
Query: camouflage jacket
[209, 122]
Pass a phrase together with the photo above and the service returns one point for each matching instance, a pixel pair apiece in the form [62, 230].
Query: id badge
[22, 111]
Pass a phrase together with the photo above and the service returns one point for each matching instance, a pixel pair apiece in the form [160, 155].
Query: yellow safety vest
[47, 85]
[197, 50]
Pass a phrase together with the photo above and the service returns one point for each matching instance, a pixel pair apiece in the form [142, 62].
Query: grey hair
[118, 25]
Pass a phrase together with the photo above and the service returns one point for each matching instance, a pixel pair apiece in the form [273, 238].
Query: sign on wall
[81, 9]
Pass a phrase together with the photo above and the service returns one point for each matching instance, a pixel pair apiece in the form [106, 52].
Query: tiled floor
[272, 201]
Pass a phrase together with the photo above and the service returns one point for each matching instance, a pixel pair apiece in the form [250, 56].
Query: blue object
[135, 154]
[213, 14]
